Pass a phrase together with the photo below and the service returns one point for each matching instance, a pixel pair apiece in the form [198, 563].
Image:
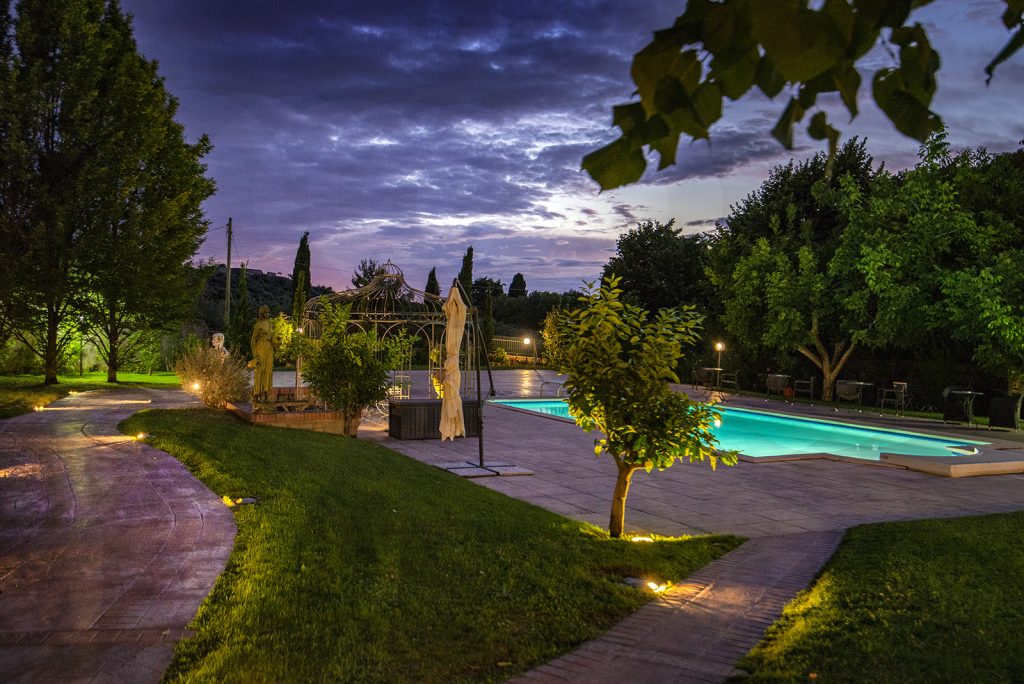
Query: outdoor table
[960, 406]
[717, 372]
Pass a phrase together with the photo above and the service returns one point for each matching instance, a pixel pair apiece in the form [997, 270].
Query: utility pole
[227, 282]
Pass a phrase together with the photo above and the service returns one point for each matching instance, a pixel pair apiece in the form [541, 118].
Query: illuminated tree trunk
[622, 481]
[51, 353]
[830, 364]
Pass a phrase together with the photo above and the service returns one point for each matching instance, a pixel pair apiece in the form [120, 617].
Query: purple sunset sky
[410, 130]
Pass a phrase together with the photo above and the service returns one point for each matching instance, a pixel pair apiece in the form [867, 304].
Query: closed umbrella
[452, 422]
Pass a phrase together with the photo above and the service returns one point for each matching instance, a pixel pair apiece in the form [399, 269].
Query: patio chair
[1004, 412]
[847, 391]
[776, 384]
[730, 379]
[897, 396]
[804, 387]
[555, 382]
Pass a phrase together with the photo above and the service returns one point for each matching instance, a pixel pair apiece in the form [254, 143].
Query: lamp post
[719, 347]
[526, 343]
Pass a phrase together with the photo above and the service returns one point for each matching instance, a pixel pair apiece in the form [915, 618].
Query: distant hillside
[272, 289]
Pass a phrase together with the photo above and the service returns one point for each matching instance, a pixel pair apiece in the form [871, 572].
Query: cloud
[409, 130]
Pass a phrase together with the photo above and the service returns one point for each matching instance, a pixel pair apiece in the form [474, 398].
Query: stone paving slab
[108, 546]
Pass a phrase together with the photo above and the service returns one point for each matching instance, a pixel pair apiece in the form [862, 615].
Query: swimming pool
[760, 434]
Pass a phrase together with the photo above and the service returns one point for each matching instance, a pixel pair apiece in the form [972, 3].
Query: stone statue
[263, 357]
[217, 342]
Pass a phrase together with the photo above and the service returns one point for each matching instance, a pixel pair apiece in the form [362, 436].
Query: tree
[241, 323]
[146, 221]
[518, 286]
[660, 267]
[465, 276]
[301, 284]
[100, 192]
[349, 370]
[302, 265]
[769, 263]
[719, 50]
[432, 287]
[365, 272]
[619, 365]
[782, 296]
[49, 115]
[484, 286]
[929, 265]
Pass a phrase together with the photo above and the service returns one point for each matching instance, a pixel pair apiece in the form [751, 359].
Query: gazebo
[388, 306]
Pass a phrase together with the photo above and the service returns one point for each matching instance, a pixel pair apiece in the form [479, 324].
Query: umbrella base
[470, 469]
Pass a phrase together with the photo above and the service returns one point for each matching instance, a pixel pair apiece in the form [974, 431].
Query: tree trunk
[113, 360]
[50, 353]
[350, 423]
[622, 480]
[830, 364]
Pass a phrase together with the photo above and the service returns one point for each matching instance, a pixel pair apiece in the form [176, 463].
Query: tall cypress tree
[299, 302]
[466, 273]
[433, 287]
[302, 263]
[241, 318]
[518, 286]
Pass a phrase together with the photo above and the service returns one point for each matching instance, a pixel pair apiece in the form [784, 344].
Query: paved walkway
[795, 513]
[107, 546]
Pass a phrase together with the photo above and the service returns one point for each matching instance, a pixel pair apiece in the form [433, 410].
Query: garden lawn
[360, 564]
[21, 393]
[925, 601]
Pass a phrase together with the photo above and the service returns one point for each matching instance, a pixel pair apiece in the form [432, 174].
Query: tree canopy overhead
[724, 49]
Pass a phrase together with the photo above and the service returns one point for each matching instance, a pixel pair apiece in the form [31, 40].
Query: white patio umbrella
[452, 422]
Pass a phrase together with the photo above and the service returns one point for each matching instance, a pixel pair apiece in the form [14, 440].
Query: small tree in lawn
[348, 370]
[620, 362]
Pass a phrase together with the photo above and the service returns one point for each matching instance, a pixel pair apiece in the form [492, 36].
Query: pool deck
[794, 512]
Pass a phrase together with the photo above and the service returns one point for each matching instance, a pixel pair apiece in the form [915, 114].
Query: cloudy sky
[410, 130]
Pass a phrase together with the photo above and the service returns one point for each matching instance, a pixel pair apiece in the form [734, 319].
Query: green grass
[360, 564]
[21, 393]
[925, 601]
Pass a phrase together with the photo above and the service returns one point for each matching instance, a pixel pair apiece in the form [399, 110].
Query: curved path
[107, 546]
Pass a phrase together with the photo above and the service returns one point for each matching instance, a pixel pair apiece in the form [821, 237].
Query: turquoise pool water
[759, 434]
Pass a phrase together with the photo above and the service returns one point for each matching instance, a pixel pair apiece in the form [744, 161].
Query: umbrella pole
[479, 399]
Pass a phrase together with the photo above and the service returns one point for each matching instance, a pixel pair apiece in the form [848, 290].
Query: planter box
[421, 418]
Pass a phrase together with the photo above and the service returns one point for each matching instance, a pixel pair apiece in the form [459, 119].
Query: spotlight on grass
[641, 539]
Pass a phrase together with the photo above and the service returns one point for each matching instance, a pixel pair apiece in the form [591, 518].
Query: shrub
[348, 370]
[499, 357]
[213, 376]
